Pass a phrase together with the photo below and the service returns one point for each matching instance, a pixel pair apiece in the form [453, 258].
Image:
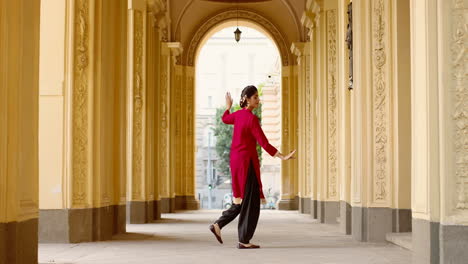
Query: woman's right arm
[228, 118]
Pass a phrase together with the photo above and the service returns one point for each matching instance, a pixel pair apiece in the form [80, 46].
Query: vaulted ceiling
[188, 15]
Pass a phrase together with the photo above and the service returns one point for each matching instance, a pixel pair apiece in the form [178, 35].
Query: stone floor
[285, 237]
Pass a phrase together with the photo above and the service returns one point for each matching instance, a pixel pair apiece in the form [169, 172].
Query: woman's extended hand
[287, 157]
[228, 101]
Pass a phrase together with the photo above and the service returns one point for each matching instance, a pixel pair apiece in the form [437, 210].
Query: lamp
[237, 33]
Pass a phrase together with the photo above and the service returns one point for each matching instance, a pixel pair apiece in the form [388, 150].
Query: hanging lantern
[237, 34]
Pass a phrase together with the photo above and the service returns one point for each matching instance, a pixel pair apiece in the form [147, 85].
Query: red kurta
[247, 132]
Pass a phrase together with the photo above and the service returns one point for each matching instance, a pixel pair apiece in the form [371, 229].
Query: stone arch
[241, 14]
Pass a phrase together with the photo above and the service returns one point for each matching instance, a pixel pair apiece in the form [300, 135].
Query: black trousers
[249, 209]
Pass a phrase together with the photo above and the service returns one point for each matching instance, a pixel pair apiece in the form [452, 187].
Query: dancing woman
[245, 168]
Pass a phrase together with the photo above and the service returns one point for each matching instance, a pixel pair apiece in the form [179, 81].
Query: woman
[245, 168]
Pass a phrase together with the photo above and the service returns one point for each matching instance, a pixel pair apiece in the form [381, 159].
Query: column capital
[297, 48]
[176, 50]
[139, 5]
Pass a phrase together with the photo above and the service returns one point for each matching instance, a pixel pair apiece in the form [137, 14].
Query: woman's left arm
[261, 138]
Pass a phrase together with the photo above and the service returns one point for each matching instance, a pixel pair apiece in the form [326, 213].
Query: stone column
[188, 132]
[327, 114]
[401, 109]
[289, 198]
[439, 131]
[82, 103]
[377, 127]
[19, 81]
[164, 150]
[144, 50]
[343, 119]
[137, 204]
[310, 19]
[298, 49]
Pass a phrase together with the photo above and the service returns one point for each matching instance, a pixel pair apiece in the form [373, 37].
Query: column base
[157, 210]
[453, 244]
[304, 205]
[345, 218]
[288, 204]
[371, 224]
[140, 212]
[328, 211]
[425, 242]
[186, 203]
[168, 205]
[313, 208]
[18, 242]
[401, 220]
[81, 225]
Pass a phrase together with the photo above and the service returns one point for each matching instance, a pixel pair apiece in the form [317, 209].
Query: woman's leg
[250, 209]
[228, 215]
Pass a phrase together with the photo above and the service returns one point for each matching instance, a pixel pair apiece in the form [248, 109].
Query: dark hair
[247, 92]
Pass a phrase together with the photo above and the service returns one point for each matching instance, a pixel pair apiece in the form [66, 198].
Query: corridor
[285, 237]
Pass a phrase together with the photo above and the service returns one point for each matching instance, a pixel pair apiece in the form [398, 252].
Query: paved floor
[285, 237]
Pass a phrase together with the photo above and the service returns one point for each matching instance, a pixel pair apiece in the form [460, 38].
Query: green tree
[223, 134]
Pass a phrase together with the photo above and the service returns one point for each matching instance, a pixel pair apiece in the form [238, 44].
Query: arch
[242, 15]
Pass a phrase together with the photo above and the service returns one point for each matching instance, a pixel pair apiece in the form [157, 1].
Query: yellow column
[310, 19]
[143, 82]
[191, 203]
[289, 179]
[167, 204]
[327, 112]
[82, 176]
[343, 118]
[299, 50]
[379, 125]
[19, 79]
[439, 131]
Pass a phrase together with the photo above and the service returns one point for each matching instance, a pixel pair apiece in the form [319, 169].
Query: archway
[288, 81]
[224, 65]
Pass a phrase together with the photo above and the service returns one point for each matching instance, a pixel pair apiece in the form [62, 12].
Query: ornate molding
[381, 136]
[138, 106]
[242, 14]
[163, 136]
[158, 12]
[80, 149]
[332, 104]
[308, 122]
[460, 98]
[190, 177]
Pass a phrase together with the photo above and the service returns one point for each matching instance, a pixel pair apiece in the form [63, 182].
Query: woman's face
[253, 101]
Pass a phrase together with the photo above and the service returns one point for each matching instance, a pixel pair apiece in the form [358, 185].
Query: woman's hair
[247, 93]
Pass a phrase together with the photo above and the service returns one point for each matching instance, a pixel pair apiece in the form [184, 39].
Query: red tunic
[247, 132]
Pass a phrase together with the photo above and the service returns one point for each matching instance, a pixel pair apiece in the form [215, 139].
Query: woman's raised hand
[228, 101]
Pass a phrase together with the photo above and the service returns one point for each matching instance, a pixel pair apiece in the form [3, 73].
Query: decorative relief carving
[164, 119]
[308, 123]
[285, 113]
[233, 14]
[380, 102]
[332, 104]
[80, 128]
[138, 104]
[459, 47]
[190, 182]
